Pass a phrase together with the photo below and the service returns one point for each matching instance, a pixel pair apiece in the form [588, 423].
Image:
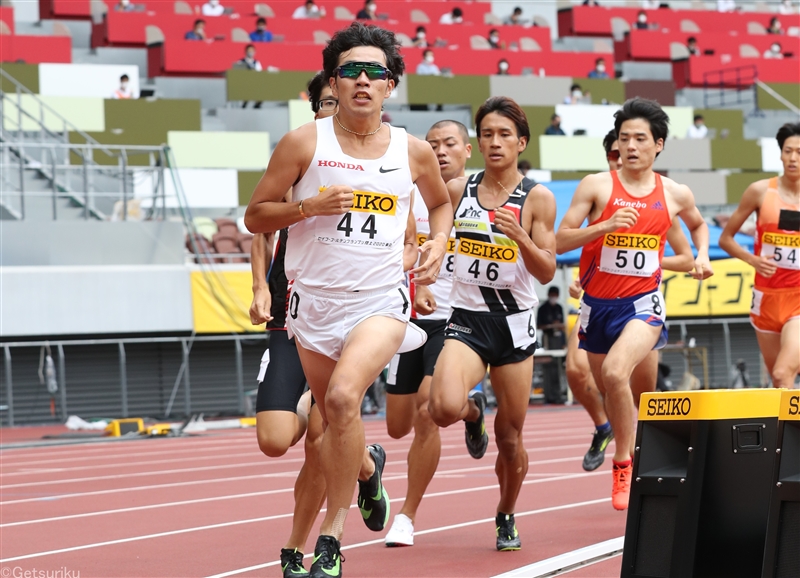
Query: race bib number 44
[630, 254]
[371, 222]
[783, 248]
[486, 264]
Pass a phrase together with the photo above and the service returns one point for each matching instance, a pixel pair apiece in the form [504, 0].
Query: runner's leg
[458, 369]
[784, 371]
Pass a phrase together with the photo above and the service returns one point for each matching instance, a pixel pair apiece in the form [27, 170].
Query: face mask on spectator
[251, 55]
[503, 66]
[123, 85]
[125, 2]
[372, 7]
[214, 2]
[458, 19]
[642, 18]
[553, 300]
[429, 58]
[494, 38]
[577, 94]
[776, 48]
[421, 35]
[601, 68]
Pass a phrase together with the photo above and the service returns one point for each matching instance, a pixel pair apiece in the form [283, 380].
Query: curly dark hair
[358, 34]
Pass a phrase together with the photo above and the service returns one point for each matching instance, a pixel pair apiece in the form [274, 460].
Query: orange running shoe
[621, 489]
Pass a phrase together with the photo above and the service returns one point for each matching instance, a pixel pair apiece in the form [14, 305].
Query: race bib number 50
[371, 222]
[783, 248]
[630, 254]
[486, 264]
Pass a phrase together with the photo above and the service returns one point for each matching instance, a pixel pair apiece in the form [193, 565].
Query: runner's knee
[508, 443]
[273, 444]
[444, 412]
[398, 426]
[783, 375]
[342, 404]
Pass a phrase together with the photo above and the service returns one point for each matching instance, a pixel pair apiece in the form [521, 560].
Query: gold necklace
[336, 116]
[505, 189]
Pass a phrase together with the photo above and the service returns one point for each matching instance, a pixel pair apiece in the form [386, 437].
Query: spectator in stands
[523, 167]
[775, 26]
[515, 19]
[249, 61]
[421, 38]
[502, 67]
[774, 51]
[691, 46]
[454, 17]
[576, 95]
[494, 40]
[641, 21]
[599, 69]
[308, 10]
[368, 11]
[591, 3]
[127, 6]
[213, 8]
[555, 127]
[698, 129]
[124, 91]
[198, 32]
[726, 6]
[261, 34]
[786, 8]
[427, 66]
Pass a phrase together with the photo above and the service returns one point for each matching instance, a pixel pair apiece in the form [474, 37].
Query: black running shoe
[292, 564]
[475, 434]
[507, 535]
[372, 498]
[597, 451]
[327, 559]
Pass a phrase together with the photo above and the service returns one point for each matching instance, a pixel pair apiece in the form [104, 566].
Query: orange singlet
[627, 262]
[775, 299]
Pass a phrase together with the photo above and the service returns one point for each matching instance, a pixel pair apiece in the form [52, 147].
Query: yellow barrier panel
[727, 293]
[710, 405]
[221, 301]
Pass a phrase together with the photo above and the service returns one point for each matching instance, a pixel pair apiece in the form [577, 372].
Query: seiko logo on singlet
[781, 240]
[634, 204]
[503, 254]
[338, 165]
[670, 406]
[622, 241]
[381, 203]
[451, 242]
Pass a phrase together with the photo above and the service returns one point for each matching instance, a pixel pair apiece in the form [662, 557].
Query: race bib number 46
[630, 254]
[486, 264]
[783, 248]
[371, 222]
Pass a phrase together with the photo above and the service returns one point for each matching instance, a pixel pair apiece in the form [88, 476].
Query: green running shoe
[507, 535]
[373, 501]
[475, 434]
[292, 564]
[597, 451]
[327, 559]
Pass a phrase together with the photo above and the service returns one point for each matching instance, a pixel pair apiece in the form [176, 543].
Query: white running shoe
[401, 533]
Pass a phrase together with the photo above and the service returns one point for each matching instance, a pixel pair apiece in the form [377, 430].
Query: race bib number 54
[486, 264]
[630, 254]
[783, 248]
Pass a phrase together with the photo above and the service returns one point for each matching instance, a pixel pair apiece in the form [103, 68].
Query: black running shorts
[490, 335]
[284, 381]
[415, 365]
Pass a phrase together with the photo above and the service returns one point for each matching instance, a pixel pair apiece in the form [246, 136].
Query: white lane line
[267, 518]
[261, 462]
[423, 532]
[568, 561]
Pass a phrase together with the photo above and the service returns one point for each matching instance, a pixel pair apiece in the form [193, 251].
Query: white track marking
[568, 561]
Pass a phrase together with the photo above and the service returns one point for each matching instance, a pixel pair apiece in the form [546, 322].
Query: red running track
[213, 505]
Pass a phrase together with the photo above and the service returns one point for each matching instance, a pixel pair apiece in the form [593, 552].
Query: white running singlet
[361, 250]
[444, 281]
[490, 274]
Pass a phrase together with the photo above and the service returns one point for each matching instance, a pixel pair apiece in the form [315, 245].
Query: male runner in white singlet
[409, 384]
[504, 228]
[352, 179]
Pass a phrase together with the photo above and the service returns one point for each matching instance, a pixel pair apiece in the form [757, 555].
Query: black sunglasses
[353, 70]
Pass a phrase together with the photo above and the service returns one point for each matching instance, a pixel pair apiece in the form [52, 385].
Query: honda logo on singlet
[340, 165]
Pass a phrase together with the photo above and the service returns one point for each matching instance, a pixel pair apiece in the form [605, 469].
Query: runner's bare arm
[570, 235]
[426, 175]
[751, 201]
[259, 257]
[535, 237]
[697, 228]
[266, 213]
[410, 252]
[683, 260]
